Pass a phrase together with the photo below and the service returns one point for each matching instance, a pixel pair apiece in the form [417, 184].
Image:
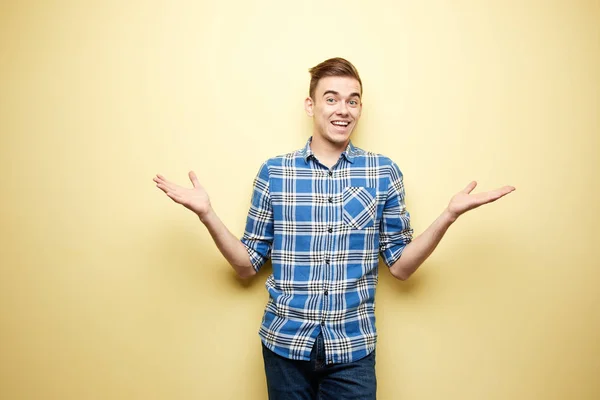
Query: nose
[342, 108]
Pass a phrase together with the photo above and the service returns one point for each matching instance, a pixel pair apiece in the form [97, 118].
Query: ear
[308, 106]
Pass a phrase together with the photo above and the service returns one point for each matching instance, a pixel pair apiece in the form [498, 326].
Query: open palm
[195, 199]
[464, 201]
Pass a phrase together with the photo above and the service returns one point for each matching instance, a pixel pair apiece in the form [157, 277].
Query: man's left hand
[464, 201]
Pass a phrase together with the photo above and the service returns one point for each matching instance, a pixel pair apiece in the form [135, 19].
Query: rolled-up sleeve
[394, 231]
[258, 234]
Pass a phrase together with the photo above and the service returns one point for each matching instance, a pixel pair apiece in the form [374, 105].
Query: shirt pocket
[359, 206]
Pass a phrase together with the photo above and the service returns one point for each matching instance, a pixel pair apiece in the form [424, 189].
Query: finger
[167, 189]
[175, 197]
[162, 187]
[494, 195]
[470, 187]
[194, 179]
[159, 178]
[501, 192]
[162, 178]
[170, 185]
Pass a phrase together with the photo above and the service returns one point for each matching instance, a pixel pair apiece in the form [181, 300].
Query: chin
[336, 140]
[339, 137]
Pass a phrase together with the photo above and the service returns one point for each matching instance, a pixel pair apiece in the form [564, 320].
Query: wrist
[449, 216]
[206, 216]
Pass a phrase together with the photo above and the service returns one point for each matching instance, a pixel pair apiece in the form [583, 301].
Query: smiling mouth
[341, 124]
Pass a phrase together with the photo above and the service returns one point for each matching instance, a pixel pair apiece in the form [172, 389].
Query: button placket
[330, 241]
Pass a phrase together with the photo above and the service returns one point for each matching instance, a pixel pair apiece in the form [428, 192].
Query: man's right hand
[195, 199]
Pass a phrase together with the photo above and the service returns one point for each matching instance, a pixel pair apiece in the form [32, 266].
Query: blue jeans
[314, 380]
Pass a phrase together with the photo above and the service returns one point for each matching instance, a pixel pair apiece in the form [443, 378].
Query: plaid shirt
[323, 229]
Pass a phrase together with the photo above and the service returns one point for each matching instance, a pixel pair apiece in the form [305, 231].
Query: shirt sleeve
[258, 234]
[394, 231]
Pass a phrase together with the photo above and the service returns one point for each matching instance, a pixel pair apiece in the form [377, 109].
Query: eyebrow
[354, 94]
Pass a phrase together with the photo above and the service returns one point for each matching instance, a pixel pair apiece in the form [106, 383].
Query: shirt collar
[349, 153]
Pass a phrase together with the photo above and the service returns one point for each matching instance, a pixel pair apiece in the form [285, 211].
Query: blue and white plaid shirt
[323, 229]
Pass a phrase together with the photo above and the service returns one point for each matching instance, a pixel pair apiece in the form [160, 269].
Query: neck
[326, 152]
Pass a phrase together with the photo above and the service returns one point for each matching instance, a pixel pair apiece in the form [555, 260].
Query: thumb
[194, 179]
[470, 187]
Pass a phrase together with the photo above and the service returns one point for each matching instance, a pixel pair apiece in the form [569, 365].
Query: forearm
[417, 251]
[230, 246]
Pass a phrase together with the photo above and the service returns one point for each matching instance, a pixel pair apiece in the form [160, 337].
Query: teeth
[340, 123]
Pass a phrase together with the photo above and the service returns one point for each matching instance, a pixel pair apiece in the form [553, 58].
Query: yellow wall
[108, 290]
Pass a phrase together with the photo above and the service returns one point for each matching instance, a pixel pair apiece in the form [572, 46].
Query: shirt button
[330, 199]
[330, 230]
[326, 292]
[330, 173]
[322, 323]
[327, 261]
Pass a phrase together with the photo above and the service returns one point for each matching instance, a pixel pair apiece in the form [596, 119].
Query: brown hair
[333, 67]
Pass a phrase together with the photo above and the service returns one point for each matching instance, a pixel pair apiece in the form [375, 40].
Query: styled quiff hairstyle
[333, 67]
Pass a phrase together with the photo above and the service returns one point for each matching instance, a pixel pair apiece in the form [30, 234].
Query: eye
[353, 102]
[330, 100]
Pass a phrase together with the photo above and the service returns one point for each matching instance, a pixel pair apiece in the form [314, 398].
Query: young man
[323, 214]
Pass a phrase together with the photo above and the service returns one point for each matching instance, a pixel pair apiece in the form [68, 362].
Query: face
[335, 108]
